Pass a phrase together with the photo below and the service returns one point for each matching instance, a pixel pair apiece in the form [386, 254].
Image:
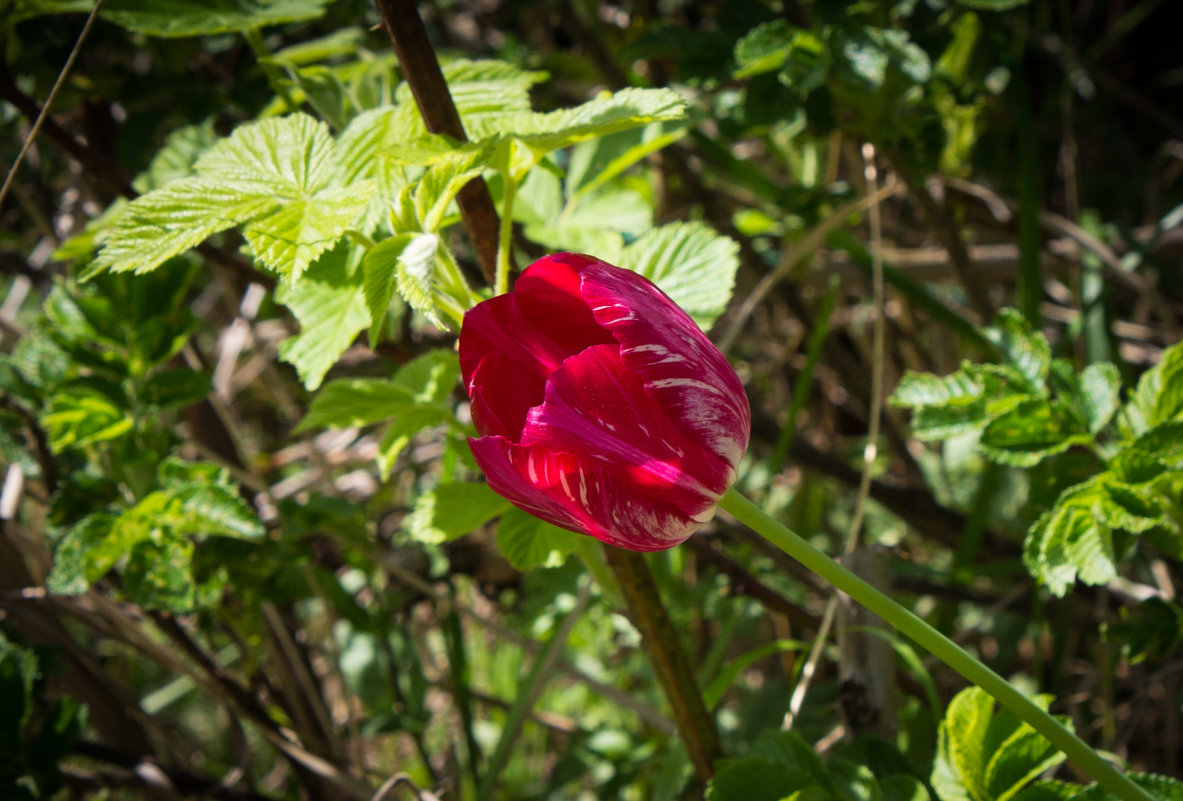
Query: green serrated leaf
[446, 176]
[595, 223]
[378, 282]
[330, 304]
[159, 574]
[932, 423]
[77, 562]
[1030, 431]
[1161, 788]
[213, 509]
[484, 92]
[177, 158]
[403, 426]
[1136, 466]
[594, 163]
[946, 777]
[527, 542]
[182, 18]
[370, 134]
[452, 510]
[1100, 385]
[1164, 442]
[755, 779]
[431, 377]
[355, 402]
[1158, 397]
[1132, 508]
[290, 156]
[414, 272]
[83, 418]
[1071, 542]
[277, 176]
[547, 131]
[290, 238]
[415, 399]
[691, 263]
[1048, 791]
[173, 219]
[920, 390]
[1019, 759]
[763, 49]
[1023, 347]
[967, 722]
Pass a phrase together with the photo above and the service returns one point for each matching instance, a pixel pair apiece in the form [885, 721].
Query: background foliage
[246, 553]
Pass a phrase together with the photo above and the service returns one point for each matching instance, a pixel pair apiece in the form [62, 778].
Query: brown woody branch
[659, 639]
[421, 71]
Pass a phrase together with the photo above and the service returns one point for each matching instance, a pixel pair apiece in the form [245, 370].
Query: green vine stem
[936, 643]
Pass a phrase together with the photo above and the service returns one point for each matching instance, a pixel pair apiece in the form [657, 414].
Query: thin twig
[53, 93]
[793, 256]
[870, 451]
[877, 355]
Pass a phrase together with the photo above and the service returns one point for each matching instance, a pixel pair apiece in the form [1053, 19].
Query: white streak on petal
[690, 383]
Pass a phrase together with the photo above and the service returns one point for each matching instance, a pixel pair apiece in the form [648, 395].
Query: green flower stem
[935, 643]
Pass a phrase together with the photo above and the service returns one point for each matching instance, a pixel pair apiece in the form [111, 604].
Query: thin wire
[878, 335]
[61, 79]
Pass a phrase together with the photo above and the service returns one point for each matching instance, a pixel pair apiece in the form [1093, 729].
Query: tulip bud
[602, 406]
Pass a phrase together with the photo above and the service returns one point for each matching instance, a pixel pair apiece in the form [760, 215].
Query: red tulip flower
[602, 406]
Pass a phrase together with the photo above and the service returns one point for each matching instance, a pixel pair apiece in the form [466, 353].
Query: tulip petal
[548, 293]
[576, 495]
[679, 367]
[501, 393]
[598, 410]
[498, 326]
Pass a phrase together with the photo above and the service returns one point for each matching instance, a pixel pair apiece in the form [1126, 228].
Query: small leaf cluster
[33, 737]
[984, 754]
[1029, 408]
[100, 378]
[352, 222]
[848, 69]
[782, 767]
[152, 542]
[97, 367]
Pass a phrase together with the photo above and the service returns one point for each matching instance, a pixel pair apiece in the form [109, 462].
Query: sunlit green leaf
[691, 263]
[528, 542]
[180, 18]
[453, 510]
[925, 389]
[331, 307]
[1158, 397]
[1029, 432]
